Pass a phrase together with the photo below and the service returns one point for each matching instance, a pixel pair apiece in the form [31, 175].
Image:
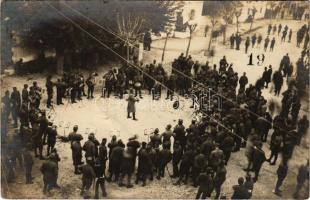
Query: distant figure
[253, 40]
[266, 43]
[247, 44]
[281, 172]
[303, 175]
[232, 41]
[206, 30]
[279, 28]
[273, 41]
[269, 29]
[131, 108]
[274, 30]
[259, 40]
[290, 35]
[284, 33]
[147, 40]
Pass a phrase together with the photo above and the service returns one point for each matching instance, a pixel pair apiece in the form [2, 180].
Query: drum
[137, 84]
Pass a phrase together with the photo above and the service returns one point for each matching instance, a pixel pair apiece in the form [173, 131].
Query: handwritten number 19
[260, 59]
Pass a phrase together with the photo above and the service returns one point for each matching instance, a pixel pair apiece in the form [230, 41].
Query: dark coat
[103, 154]
[144, 161]
[76, 152]
[127, 164]
[164, 156]
[205, 182]
[88, 173]
[49, 170]
[240, 192]
[258, 158]
[90, 149]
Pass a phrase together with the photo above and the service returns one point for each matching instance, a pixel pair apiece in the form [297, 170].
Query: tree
[168, 32]
[271, 5]
[237, 13]
[227, 10]
[191, 28]
[216, 9]
[211, 8]
[41, 27]
[254, 10]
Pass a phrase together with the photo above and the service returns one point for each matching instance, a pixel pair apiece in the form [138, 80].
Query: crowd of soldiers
[302, 33]
[199, 153]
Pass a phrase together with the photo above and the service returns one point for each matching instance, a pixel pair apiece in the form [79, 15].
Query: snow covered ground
[106, 117]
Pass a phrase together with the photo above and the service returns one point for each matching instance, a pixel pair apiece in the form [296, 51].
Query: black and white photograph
[137, 99]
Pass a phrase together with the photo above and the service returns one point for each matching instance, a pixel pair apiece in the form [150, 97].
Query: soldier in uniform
[127, 168]
[259, 40]
[167, 136]
[253, 39]
[111, 146]
[247, 44]
[115, 161]
[155, 138]
[60, 91]
[55, 158]
[258, 160]
[144, 164]
[16, 103]
[200, 162]
[76, 148]
[43, 126]
[303, 175]
[176, 158]
[51, 138]
[100, 170]
[205, 183]
[90, 150]
[240, 192]
[25, 94]
[275, 146]
[266, 43]
[49, 88]
[28, 161]
[216, 157]
[243, 81]
[232, 41]
[281, 172]
[24, 115]
[133, 146]
[272, 43]
[37, 140]
[179, 134]
[278, 82]
[302, 127]
[219, 179]
[49, 170]
[165, 157]
[88, 175]
[227, 146]
[186, 164]
[36, 94]
[103, 154]
[91, 86]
